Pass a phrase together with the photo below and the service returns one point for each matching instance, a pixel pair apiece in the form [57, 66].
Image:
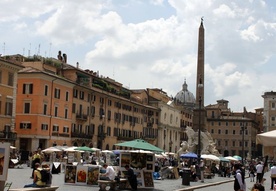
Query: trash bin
[186, 174]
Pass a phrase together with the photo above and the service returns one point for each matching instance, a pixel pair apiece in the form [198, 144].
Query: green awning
[140, 144]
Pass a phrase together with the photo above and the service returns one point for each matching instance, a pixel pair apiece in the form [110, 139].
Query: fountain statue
[208, 145]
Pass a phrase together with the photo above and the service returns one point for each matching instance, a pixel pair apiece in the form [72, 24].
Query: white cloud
[239, 41]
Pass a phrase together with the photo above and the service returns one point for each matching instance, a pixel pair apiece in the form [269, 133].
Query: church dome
[184, 97]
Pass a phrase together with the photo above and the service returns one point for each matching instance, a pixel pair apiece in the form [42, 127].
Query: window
[219, 131]
[75, 93]
[8, 109]
[55, 128]
[44, 126]
[56, 111]
[27, 107]
[273, 118]
[67, 96]
[234, 143]
[10, 79]
[81, 95]
[226, 123]
[57, 93]
[109, 102]
[27, 88]
[66, 113]
[226, 143]
[226, 131]
[234, 132]
[92, 111]
[45, 109]
[46, 90]
[74, 108]
[25, 125]
[273, 105]
[212, 131]
[65, 129]
[108, 131]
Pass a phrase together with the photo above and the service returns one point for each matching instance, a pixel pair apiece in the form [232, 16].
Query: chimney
[77, 64]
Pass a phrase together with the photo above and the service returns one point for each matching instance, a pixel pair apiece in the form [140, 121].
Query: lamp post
[243, 128]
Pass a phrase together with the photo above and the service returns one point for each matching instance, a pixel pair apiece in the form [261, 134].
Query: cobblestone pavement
[20, 177]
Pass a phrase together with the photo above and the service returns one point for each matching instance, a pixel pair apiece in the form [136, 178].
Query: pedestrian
[37, 178]
[252, 174]
[273, 175]
[239, 183]
[109, 173]
[259, 169]
[131, 177]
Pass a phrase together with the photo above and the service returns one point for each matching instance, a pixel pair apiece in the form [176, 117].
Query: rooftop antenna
[4, 48]
[38, 51]
[50, 49]
[29, 52]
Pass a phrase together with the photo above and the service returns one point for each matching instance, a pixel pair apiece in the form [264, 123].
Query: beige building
[269, 119]
[8, 87]
[234, 132]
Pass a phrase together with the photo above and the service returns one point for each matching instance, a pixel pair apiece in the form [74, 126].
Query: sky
[153, 43]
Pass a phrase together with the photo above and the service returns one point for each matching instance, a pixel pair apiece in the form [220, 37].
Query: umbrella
[231, 158]
[117, 152]
[140, 144]
[237, 157]
[267, 138]
[71, 149]
[84, 148]
[223, 159]
[210, 157]
[188, 155]
[50, 150]
[12, 147]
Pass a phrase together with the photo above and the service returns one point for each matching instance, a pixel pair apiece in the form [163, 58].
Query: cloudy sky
[153, 43]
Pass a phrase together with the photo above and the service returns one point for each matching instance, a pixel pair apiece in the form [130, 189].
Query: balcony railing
[122, 138]
[81, 116]
[81, 135]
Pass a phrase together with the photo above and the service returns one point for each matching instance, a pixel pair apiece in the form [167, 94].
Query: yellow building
[8, 87]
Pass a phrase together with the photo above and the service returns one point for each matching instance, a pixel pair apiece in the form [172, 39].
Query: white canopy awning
[267, 138]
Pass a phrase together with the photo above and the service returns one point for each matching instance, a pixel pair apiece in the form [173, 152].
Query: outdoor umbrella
[223, 159]
[50, 150]
[237, 157]
[210, 157]
[231, 158]
[140, 144]
[267, 138]
[188, 155]
[84, 148]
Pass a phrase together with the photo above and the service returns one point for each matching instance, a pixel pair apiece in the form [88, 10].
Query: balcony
[81, 116]
[123, 138]
[149, 137]
[81, 135]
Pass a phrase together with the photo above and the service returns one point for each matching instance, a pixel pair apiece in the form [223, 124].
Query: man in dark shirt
[131, 177]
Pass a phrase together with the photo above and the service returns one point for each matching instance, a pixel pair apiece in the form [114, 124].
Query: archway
[226, 153]
[107, 147]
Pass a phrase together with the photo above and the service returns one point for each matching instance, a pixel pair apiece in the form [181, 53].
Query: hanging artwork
[70, 174]
[92, 175]
[148, 179]
[4, 160]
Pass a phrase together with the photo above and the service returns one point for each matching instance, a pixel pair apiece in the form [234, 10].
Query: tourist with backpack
[37, 182]
[239, 182]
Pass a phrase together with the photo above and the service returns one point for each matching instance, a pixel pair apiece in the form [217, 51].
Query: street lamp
[242, 155]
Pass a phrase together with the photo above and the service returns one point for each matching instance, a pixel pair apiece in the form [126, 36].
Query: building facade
[8, 87]
[234, 132]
